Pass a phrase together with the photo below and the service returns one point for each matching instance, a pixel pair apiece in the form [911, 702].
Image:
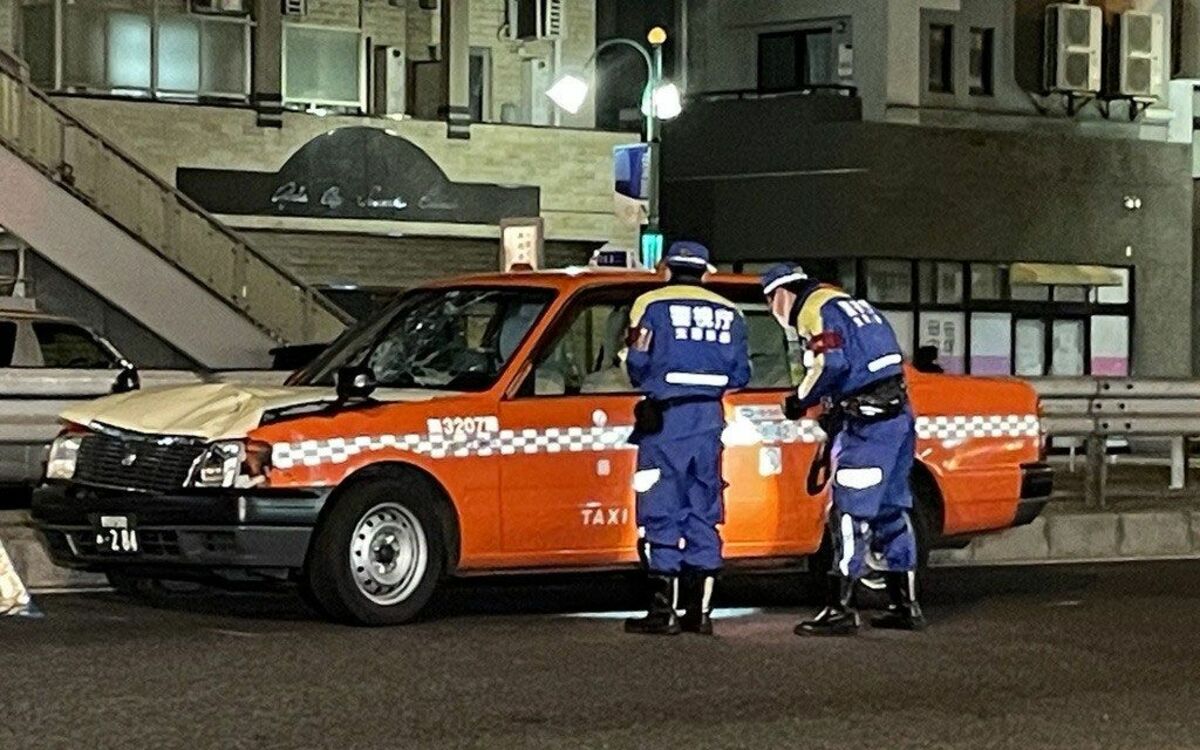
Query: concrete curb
[1064, 537]
[1057, 537]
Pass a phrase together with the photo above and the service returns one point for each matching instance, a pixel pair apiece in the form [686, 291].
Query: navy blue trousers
[872, 499]
[680, 491]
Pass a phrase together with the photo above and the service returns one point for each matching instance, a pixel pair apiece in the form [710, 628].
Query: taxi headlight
[64, 452]
[218, 465]
[232, 463]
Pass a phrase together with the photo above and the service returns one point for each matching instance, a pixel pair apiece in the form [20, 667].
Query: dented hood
[212, 411]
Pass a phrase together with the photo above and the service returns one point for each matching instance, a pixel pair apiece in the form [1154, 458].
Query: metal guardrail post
[1096, 477]
[1178, 463]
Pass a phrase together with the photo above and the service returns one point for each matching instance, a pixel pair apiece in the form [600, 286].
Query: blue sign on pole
[631, 170]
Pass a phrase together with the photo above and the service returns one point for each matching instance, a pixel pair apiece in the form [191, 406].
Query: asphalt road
[1075, 657]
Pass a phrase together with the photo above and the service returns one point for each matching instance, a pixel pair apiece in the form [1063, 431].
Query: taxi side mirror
[355, 382]
[127, 379]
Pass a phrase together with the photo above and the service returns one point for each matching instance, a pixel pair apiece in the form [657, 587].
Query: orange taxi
[479, 425]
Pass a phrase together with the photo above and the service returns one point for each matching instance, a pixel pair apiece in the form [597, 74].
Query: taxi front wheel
[378, 555]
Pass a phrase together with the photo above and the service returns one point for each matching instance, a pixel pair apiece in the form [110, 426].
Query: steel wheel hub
[388, 553]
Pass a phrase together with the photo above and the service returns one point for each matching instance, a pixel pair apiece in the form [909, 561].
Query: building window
[794, 60]
[889, 281]
[38, 47]
[988, 281]
[322, 66]
[983, 62]
[1055, 320]
[481, 84]
[162, 54]
[1110, 345]
[941, 283]
[991, 344]
[941, 58]
[946, 331]
[1029, 349]
[1067, 356]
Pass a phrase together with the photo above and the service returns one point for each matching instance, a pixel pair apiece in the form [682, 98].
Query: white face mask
[781, 303]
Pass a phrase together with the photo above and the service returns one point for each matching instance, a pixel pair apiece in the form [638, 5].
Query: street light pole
[656, 37]
[660, 100]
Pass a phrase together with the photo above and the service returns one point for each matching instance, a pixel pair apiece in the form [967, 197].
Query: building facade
[916, 151]
[366, 145]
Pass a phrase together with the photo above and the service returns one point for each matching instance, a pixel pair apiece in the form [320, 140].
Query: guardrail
[1097, 409]
[161, 218]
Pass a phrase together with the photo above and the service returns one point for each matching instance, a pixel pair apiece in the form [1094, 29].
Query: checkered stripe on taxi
[967, 427]
[615, 437]
[445, 445]
[560, 439]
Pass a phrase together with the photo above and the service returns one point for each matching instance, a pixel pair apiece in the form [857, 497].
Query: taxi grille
[128, 461]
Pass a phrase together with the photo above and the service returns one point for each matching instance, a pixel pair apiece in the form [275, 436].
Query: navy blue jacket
[687, 341]
[850, 345]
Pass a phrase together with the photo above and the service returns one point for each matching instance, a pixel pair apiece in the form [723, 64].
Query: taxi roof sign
[610, 256]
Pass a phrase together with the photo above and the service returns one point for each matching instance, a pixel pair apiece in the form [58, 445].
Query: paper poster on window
[1030, 348]
[991, 344]
[1110, 345]
[946, 331]
[1067, 348]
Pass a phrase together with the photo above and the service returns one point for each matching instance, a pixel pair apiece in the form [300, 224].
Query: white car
[46, 362]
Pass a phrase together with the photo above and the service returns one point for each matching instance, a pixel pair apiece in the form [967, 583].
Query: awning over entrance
[1061, 274]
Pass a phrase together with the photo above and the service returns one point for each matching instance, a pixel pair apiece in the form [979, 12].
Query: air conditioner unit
[221, 7]
[1140, 54]
[1074, 35]
[535, 19]
[294, 8]
[389, 84]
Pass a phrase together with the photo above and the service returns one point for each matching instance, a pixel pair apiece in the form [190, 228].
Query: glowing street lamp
[569, 92]
[661, 100]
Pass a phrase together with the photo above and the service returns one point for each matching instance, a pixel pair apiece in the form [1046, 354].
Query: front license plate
[116, 535]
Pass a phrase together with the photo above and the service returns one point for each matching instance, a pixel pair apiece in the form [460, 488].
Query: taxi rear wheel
[378, 555]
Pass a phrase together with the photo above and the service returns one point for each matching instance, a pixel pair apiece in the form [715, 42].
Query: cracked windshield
[458, 339]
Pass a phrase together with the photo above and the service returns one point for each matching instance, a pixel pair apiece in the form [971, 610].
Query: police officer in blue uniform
[687, 347]
[853, 367]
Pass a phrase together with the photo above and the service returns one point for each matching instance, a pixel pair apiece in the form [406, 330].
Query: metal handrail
[816, 89]
[319, 318]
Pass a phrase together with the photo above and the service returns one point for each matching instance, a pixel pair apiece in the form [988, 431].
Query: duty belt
[876, 402]
[648, 413]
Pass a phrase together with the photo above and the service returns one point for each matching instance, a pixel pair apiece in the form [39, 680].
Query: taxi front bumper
[228, 534]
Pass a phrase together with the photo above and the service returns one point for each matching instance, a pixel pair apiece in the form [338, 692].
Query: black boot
[698, 599]
[903, 612]
[662, 618]
[839, 617]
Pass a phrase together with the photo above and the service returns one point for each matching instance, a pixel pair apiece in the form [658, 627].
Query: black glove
[647, 417]
[793, 407]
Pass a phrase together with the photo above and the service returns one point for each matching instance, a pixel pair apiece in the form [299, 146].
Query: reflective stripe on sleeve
[876, 365]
